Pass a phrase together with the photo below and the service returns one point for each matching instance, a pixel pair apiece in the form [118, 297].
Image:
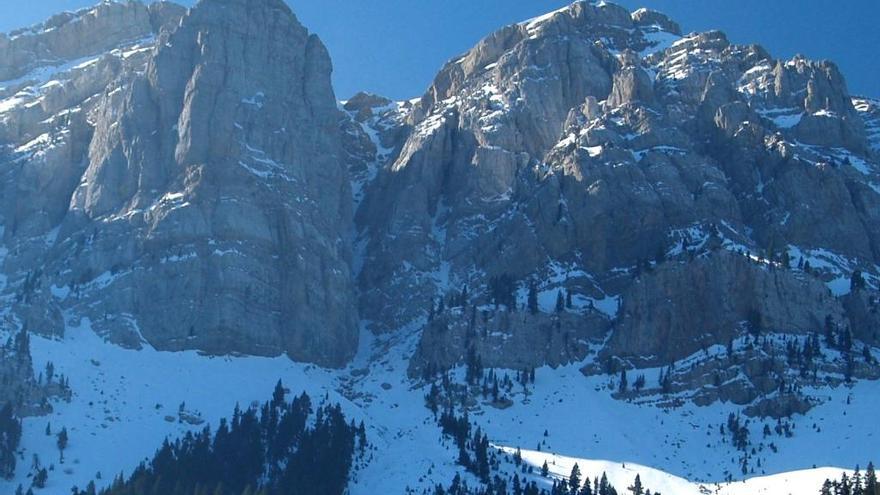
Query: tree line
[280, 447]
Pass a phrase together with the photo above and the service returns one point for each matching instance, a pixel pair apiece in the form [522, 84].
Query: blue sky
[395, 47]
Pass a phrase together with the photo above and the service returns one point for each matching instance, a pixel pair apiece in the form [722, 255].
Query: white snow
[622, 474]
[658, 41]
[117, 418]
[41, 75]
[784, 120]
[534, 22]
[594, 151]
[256, 100]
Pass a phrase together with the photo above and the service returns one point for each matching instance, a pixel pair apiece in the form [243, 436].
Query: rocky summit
[187, 179]
[592, 152]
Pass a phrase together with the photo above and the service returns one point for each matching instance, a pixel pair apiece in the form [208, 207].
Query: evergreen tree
[41, 478]
[604, 486]
[278, 395]
[545, 469]
[61, 442]
[574, 480]
[501, 289]
[275, 448]
[532, 301]
[857, 486]
[857, 281]
[871, 485]
[639, 384]
[636, 487]
[845, 488]
[10, 436]
[624, 385]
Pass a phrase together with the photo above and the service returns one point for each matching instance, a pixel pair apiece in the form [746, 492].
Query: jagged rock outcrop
[72, 35]
[723, 295]
[505, 339]
[863, 315]
[582, 149]
[217, 164]
[590, 152]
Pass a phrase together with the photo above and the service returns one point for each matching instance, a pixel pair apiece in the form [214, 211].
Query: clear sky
[395, 47]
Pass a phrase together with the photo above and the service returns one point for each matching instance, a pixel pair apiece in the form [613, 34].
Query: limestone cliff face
[213, 210]
[71, 35]
[580, 150]
[666, 187]
[723, 295]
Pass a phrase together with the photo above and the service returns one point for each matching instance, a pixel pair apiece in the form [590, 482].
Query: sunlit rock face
[200, 200]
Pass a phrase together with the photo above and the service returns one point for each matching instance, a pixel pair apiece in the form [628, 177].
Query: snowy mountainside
[125, 402]
[596, 238]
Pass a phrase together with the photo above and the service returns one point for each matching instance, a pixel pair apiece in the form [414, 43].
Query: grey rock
[505, 339]
[681, 308]
[217, 163]
[592, 150]
[631, 84]
[70, 36]
[649, 18]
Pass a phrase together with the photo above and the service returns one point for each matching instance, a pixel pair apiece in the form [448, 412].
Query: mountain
[593, 234]
[144, 185]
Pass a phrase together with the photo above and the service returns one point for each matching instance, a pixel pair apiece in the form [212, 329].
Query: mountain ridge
[665, 224]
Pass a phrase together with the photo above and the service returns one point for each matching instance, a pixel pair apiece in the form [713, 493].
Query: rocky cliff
[582, 149]
[591, 181]
[200, 200]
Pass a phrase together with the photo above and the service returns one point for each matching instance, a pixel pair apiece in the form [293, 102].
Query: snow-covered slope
[592, 152]
[125, 402]
[621, 474]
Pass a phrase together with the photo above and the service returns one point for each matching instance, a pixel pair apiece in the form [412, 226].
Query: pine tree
[604, 486]
[545, 469]
[41, 478]
[857, 486]
[61, 442]
[871, 485]
[278, 395]
[574, 480]
[639, 384]
[845, 486]
[857, 281]
[532, 301]
[624, 385]
[10, 436]
[636, 487]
